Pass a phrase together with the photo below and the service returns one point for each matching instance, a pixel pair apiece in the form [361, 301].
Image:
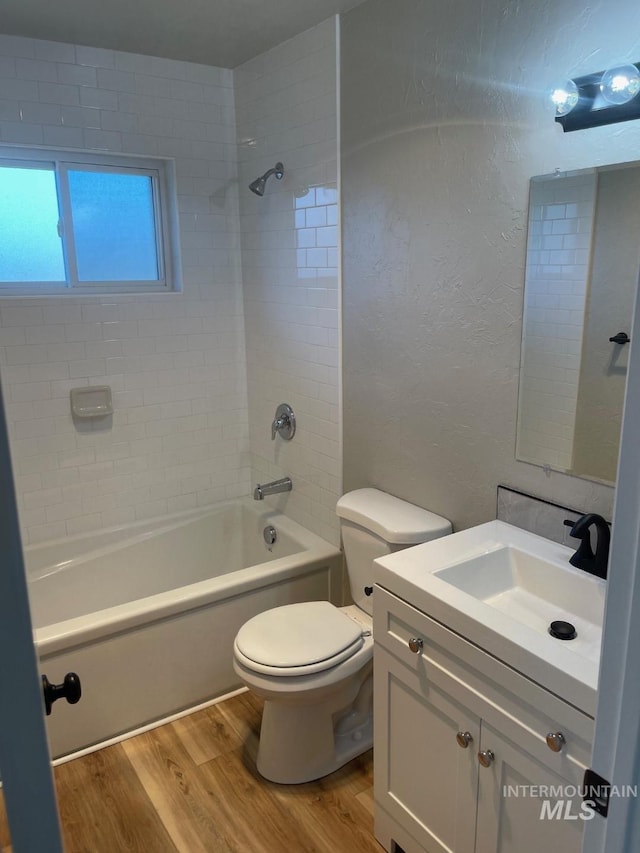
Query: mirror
[583, 258]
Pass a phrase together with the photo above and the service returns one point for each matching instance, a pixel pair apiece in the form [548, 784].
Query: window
[86, 222]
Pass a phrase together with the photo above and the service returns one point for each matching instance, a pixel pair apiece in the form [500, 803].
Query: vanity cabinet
[443, 709]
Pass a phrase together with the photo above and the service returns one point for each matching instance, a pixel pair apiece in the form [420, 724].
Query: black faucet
[584, 558]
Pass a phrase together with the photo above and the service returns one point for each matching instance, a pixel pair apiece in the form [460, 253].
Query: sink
[526, 587]
[500, 587]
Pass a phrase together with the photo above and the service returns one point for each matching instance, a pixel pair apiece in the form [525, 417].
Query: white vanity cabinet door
[424, 779]
[431, 795]
[510, 824]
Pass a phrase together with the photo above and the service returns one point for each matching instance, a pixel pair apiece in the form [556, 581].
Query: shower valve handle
[70, 689]
[284, 423]
[277, 425]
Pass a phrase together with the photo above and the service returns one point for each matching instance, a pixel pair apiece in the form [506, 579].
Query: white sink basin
[528, 588]
[501, 587]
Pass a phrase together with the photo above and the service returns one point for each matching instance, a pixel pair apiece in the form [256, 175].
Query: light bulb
[619, 85]
[565, 97]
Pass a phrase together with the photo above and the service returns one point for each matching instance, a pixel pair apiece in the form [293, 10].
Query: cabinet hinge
[595, 792]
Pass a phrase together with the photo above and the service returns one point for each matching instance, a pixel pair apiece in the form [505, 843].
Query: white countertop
[514, 630]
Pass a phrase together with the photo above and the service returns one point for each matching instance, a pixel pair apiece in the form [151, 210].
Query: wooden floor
[192, 786]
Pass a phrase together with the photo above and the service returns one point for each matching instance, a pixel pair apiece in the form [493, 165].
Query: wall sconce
[605, 97]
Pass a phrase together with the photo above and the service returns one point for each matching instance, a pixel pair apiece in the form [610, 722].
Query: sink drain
[563, 630]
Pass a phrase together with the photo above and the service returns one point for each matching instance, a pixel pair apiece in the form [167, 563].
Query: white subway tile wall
[176, 363]
[561, 220]
[286, 110]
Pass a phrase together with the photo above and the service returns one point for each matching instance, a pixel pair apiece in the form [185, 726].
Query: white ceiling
[214, 32]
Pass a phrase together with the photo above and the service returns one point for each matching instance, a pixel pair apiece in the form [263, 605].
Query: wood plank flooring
[192, 786]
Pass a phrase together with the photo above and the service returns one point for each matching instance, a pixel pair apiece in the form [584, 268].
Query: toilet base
[299, 743]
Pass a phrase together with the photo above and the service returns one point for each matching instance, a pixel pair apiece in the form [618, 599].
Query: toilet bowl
[316, 713]
[312, 663]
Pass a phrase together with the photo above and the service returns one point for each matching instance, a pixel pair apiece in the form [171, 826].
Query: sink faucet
[262, 490]
[584, 558]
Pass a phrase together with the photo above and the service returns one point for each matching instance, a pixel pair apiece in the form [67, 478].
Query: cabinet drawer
[506, 699]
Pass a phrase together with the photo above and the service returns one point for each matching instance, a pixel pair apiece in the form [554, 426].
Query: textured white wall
[175, 362]
[286, 110]
[444, 120]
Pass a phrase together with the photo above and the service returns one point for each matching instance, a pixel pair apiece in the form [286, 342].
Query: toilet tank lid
[396, 521]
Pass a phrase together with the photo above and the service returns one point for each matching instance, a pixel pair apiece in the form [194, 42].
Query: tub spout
[262, 490]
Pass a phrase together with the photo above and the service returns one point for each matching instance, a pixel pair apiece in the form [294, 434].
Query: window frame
[161, 171]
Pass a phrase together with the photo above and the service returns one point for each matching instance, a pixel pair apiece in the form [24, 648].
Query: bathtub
[146, 614]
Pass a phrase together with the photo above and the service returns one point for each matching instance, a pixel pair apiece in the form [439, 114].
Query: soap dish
[91, 401]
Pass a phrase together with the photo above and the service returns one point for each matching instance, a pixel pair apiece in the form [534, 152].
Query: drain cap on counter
[563, 630]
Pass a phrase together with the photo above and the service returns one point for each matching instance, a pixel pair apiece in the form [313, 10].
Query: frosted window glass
[30, 248]
[114, 226]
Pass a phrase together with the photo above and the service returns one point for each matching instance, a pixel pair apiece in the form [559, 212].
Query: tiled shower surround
[286, 110]
[176, 362]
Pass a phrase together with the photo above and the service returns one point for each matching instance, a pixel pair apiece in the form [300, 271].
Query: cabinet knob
[486, 757]
[416, 644]
[464, 739]
[555, 741]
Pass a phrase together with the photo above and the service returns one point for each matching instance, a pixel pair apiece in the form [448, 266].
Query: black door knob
[620, 338]
[70, 689]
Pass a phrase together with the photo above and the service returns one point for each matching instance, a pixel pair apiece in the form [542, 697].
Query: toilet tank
[373, 524]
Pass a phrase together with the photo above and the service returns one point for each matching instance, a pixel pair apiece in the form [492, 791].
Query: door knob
[416, 644]
[620, 338]
[486, 757]
[70, 689]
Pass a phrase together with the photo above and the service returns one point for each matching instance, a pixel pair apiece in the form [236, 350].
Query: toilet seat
[297, 639]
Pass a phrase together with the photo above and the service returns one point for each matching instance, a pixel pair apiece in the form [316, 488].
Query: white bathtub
[146, 615]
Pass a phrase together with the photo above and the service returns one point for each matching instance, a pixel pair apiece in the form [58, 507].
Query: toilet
[312, 663]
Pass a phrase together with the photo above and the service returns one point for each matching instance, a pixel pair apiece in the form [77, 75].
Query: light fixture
[596, 99]
[619, 85]
[565, 97]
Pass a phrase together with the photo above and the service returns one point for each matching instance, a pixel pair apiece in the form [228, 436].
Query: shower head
[259, 184]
